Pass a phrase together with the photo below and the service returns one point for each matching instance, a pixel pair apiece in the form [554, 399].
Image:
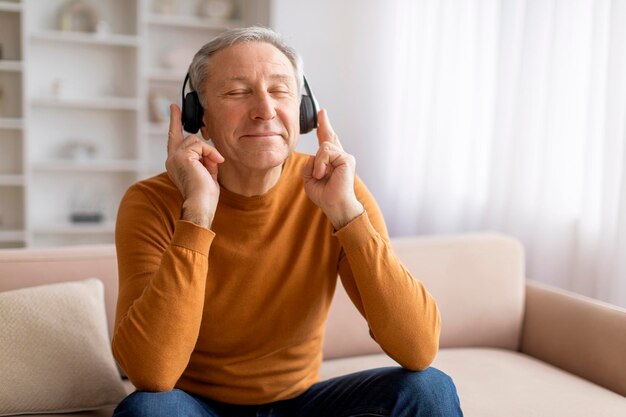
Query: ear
[203, 129]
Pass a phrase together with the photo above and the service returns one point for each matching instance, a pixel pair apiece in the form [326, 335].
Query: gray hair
[199, 67]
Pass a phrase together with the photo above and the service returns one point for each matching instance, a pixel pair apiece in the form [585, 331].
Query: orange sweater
[237, 313]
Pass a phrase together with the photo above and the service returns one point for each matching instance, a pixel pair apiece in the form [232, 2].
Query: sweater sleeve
[162, 264]
[402, 315]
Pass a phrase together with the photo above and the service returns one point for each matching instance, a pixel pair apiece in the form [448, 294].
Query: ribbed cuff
[193, 237]
[357, 233]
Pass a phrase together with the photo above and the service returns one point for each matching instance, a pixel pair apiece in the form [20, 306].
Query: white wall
[345, 65]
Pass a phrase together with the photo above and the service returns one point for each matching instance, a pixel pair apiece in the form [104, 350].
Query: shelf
[97, 103]
[102, 98]
[76, 229]
[8, 6]
[7, 65]
[87, 38]
[12, 236]
[88, 165]
[192, 22]
[167, 75]
[11, 180]
[11, 123]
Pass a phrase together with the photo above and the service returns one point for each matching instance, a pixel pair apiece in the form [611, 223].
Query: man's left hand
[329, 177]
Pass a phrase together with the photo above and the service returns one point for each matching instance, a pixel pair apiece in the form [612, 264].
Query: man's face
[252, 105]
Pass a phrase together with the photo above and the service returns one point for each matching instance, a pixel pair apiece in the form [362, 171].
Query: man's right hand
[192, 166]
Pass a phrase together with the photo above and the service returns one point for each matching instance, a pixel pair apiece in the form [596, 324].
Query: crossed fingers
[193, 147]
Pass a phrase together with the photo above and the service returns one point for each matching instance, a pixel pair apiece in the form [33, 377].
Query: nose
[263, 107]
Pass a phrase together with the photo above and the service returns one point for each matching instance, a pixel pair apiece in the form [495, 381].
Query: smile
[262, 135]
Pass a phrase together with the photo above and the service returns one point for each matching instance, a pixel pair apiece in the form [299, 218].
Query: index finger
[325, 132]
[175, 134]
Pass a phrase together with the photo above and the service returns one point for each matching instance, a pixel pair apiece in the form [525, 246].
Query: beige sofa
[513, 347]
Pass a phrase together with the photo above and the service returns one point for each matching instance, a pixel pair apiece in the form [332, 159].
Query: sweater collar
[242, 202]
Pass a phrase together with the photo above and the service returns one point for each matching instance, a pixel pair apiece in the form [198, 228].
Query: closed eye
[281, 92]
[237, 92]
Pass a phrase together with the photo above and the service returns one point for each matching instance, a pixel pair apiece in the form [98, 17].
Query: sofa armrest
[578, 334]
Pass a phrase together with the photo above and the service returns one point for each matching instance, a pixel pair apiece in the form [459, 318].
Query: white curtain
[509, 115]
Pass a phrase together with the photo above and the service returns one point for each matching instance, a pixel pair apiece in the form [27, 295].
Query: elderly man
[228, 261]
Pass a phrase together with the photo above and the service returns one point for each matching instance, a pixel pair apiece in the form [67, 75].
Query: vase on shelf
[166, 6]
[216, 9]
[78, 16]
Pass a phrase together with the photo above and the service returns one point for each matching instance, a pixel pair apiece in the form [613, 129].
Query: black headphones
[192, 110]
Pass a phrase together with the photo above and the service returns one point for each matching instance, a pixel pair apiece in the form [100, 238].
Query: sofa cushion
[495, 383]
[20, 268]
[100, 412]
[55, 350]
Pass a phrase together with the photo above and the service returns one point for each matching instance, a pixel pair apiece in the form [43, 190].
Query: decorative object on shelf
[56, 89]
[216, 9]
[159, 100]
[86, 217]
[86, 205]
[178, 58]
[78, 151]
[79, 16]
[166, 6]
[103, 28]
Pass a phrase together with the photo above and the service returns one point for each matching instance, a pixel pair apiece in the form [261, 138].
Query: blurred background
[500, 115]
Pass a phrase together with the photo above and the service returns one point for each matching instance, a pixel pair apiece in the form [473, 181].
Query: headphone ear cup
[192, 113]
[308, 114]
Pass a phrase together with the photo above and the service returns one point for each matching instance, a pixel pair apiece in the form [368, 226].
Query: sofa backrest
[477, 280]
[21, 268]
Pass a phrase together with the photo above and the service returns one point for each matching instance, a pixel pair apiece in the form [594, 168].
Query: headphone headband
[183, 91]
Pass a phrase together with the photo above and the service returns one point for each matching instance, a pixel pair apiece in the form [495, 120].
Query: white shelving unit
[12, 236]
[91, 103]
[101, 165]
[11, 123]
[86, 38]
[13, 179]
[83, 125]
[10, 6]
[84, 113]
[11, 66]
[183, 21]
[76, 230]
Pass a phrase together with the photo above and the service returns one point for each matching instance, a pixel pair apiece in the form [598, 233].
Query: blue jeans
[390, 391]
